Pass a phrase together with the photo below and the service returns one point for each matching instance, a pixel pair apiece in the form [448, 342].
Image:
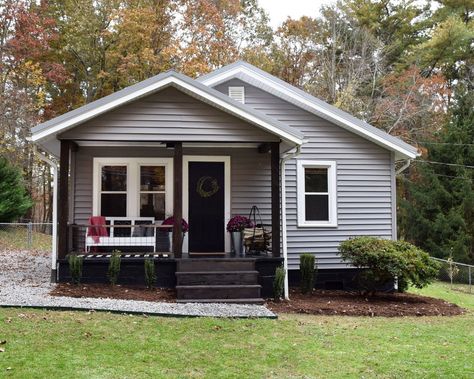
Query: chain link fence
[26, 236]
[460, 276]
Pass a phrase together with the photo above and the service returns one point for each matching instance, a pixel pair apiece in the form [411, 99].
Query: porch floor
[213, 255]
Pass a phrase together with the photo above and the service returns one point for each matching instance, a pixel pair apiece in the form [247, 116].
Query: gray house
[206, 150]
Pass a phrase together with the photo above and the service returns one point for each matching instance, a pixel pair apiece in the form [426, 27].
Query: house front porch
[135, 189]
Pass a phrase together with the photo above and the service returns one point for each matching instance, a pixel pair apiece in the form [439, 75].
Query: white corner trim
[178, 83]
[227, 194]
[331, 166]
[288, 92]
[133, 182]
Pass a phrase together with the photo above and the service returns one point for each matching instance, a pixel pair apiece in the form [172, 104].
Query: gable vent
[237, 93]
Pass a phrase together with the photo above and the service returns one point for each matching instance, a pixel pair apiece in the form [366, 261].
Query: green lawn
[52, 344]
[16, 237]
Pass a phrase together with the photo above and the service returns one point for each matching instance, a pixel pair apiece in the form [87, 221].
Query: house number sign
[207, 186]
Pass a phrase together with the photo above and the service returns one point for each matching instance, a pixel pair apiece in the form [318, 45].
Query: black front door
[206, 206]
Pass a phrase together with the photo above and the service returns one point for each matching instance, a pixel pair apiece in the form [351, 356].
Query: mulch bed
[321, 302]
[115, 292]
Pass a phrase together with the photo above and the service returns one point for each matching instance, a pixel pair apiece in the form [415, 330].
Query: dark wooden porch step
[218, 292]
[207, 255]
[215, 264]
[217, 277]
[229, 301]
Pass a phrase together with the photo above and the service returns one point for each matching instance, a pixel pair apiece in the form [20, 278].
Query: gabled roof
[271, 84]
[49, 129]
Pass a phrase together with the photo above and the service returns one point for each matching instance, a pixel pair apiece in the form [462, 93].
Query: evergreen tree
[437, 213]
[14, 199]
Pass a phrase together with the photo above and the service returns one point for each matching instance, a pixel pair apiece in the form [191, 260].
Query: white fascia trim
[153, 87]
[332, 191]
[278, 87]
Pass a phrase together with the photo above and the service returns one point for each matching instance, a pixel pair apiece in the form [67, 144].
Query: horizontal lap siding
[250, 176]
[364, 174]
[169, 115]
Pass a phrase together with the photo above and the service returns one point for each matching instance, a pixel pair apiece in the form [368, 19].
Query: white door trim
[227, 195]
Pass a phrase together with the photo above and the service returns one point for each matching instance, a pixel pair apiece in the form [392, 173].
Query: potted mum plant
[235, 226]
[169, 233]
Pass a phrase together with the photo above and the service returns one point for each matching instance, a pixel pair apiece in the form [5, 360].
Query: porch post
[63, 198]
[178, 199]
[275, 168]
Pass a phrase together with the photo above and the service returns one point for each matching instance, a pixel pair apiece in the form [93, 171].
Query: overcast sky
[279, 10]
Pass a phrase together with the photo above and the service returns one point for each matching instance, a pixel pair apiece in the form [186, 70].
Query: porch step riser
[214, 265]
[217, 278]
[218, 292]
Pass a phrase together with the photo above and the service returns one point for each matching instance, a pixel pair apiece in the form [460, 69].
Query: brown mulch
[115, 292]
[342, 303]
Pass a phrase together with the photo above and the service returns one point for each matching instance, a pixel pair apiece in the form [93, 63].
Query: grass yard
[99, 345]
[16, 238]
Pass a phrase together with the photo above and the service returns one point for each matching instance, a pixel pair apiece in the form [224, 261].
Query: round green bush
[381, 261]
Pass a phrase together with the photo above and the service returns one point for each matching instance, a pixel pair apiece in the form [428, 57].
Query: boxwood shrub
[382, 261]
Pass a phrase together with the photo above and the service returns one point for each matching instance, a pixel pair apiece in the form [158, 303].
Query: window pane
[114, 178]
[152, 178]
[152, 205]
[113, 204]
[317, 207]
[316, 179]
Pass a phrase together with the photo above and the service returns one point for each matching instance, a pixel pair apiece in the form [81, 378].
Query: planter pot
[237, 246]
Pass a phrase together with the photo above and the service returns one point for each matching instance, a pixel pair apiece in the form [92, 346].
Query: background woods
[404, 66]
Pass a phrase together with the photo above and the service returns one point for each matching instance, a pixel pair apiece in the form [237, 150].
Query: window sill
[317, 225]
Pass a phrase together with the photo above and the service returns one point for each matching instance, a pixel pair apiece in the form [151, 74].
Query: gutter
[283, 161]
[54, 247]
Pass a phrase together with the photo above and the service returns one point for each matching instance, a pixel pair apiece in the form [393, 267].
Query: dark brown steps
[215, 264]
[188, 278]
[222, 280]
[247, 291]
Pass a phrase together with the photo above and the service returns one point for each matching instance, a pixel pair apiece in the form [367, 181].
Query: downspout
[404, 167]
[283, 161]
[54, 247]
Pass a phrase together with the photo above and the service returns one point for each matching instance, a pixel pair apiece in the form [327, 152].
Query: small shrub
[114, 267]
[75, 268]
[308, 271]
[279, 283]
[381, 261]
[150, 275]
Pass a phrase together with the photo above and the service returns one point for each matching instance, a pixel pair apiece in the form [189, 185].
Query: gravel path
[24, 282]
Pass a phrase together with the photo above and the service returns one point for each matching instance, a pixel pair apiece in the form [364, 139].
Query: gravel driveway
[25, 282]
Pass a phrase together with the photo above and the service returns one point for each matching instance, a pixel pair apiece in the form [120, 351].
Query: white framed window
[317, 193]
[133, 187]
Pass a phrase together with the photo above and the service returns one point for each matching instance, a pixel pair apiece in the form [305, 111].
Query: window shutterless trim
[133, 182]
[332, 193]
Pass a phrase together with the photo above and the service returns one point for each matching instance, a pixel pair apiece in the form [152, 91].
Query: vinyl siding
[168, 115]
[365, 176]
[250, 176]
